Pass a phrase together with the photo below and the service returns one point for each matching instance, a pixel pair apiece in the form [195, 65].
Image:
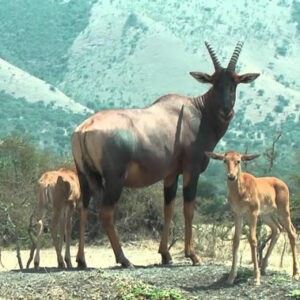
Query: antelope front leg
[163, 247]
[253, 244]
[58, 221]
[238, 222]
[170, 189]
[189, 196]
[292, 236]
[291, 231]
[274, 237]
[39, 230]
[106, 214]
[39, 227]
[80, 259]
[189, 250]
[33, 243]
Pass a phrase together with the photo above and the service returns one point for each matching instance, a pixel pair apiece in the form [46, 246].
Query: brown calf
[59, 189]
[250, 197]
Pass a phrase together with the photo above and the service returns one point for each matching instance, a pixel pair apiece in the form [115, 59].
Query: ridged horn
[232, 63]
[213, 56]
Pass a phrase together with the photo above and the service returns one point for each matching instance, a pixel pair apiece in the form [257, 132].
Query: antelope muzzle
[231, 177]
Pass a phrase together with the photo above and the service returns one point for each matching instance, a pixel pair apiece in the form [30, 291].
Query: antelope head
[224, 81]
[232, 161]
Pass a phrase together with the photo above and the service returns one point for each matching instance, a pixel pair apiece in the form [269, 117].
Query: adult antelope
[59, 189]
[251, 197]
[138, 147]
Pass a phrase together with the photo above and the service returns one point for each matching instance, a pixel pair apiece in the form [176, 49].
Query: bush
[138, 215]
[21, 164]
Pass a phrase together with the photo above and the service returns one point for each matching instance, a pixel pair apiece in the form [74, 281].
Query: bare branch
[271, 153]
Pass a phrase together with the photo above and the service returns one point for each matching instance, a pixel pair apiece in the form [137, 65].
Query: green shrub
[21, 164]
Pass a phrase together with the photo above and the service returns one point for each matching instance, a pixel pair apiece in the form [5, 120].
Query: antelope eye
[238, 162]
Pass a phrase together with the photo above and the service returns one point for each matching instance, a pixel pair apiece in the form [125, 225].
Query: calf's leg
[274, 237]
[57, 222]
[39, 230]
[42, 200]
[68, 232]
[238, 222]
[289, 227]
[253, 245]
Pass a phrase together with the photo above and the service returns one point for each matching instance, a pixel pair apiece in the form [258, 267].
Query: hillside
[63, 59]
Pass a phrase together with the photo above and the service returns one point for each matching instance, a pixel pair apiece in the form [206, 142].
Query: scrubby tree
[295, 196]
[21, 164]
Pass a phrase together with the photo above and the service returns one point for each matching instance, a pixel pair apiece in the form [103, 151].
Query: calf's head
[232, 161]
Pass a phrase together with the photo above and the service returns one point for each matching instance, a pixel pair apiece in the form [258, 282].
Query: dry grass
[183, 281]
[146, 253]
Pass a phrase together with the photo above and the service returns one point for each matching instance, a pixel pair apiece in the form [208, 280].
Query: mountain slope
[17, 83]
[128, 55]
[105, 54]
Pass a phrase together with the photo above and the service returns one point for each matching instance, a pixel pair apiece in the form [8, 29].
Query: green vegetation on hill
[244, 135]
[36, 37]
[47, 128]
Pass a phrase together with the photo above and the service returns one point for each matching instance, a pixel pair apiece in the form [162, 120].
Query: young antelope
[250, 197]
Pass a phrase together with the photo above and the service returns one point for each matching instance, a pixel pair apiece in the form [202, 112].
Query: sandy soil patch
[142, 253]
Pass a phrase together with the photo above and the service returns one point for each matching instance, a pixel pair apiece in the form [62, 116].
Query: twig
[174, 240]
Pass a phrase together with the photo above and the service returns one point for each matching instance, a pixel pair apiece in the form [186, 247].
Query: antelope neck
[236, 186]
[199, 103]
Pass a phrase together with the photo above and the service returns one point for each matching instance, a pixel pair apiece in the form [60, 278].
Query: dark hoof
[194, 258]
[81, 265]
[61, 265]
[36, 266]
[127, 264]
[229, 284]
[166, 259]
[68, 264]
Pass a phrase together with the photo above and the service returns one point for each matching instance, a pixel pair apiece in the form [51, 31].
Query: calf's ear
[246, 157]
[212, 155]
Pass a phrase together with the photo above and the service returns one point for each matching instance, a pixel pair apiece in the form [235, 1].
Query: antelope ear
[246, 157]
[212, 155]
[247, 78]
[201, 77]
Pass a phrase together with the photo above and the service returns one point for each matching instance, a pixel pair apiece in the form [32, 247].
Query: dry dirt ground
[148, 280]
